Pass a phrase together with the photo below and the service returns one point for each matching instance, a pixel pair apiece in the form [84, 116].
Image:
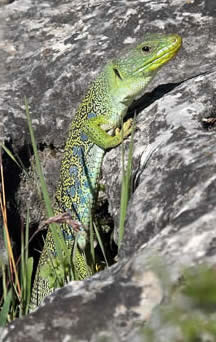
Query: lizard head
[128, 75]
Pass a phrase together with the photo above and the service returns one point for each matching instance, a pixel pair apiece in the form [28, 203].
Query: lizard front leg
[92, 128]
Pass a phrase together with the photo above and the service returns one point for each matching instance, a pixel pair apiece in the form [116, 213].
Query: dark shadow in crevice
[149, 98]
[12, 174]
[105, 226]
[12, 178]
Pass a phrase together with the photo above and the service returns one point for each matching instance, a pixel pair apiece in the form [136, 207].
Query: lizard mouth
[163, 56]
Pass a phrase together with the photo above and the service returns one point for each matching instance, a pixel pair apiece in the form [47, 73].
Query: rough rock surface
[52, 49]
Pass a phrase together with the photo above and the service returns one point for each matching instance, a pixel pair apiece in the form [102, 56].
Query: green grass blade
[75, 246]
[38, 165]
[125, 189]
[29, 270]
[91, 231]
[11, 155]
[22, 274]
[56, 233]
[4, 282]
[26, 236]
[26, 269]
[100, 244]
[6, 309]
[28, 265]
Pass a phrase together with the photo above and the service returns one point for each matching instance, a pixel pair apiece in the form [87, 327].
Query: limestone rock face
[49, 52]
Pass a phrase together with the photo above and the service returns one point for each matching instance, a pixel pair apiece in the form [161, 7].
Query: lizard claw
[126, 129]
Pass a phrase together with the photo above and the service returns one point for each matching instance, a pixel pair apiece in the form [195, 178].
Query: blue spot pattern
[77, 151]
[83, 137]
[73, 171]
[91, 115]
[72, 191]
[67, 236]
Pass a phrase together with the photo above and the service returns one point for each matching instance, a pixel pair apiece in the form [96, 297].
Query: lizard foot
[126, 129]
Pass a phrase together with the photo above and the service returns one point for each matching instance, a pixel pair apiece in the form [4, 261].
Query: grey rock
[59, 47]
[174, 191]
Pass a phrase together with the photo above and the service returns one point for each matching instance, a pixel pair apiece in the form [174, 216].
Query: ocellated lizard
[102, 109]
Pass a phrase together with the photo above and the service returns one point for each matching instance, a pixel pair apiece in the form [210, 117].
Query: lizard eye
[146, 48]
[117, 73]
